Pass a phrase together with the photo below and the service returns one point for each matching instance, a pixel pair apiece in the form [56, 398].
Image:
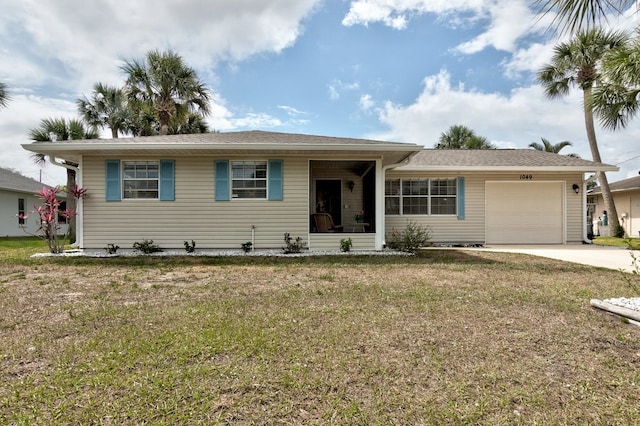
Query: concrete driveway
[587, 254]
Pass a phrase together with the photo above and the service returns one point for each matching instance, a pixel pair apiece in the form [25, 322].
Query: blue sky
[398, 70]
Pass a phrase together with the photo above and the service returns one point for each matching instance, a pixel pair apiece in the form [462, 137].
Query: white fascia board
[508, 169]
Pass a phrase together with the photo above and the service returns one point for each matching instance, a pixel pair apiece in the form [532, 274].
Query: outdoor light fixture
[576, 188]
[351, 184]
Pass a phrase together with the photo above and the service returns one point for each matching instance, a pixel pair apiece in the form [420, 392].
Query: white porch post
[380, 219]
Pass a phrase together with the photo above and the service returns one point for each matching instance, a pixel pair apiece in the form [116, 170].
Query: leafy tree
[59, 129]
[549, 147]
[106, 108]
[461, 137]
[575, 64]
[4, 95]
[166, 84]
[575, 15]
[617, 99]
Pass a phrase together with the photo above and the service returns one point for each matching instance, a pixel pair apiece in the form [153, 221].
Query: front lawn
[634, 243]
[448, 337]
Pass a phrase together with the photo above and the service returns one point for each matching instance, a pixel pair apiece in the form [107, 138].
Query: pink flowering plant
[359, 217]
[48, 213]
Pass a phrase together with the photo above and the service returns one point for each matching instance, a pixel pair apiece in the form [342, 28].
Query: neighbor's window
[249, 179]
[140, 179]
[421, 196]
[62, 219]
[21, 212]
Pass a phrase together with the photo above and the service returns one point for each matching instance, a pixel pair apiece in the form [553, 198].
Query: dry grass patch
[450, 337]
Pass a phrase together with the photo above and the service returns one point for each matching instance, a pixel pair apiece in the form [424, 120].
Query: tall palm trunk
[609, 205]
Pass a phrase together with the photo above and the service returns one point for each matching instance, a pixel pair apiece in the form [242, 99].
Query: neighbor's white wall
[9, 226]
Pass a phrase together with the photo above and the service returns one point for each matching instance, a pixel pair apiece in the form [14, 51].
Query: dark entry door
[329, 198]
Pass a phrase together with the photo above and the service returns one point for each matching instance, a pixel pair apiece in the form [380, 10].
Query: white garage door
[524, 212]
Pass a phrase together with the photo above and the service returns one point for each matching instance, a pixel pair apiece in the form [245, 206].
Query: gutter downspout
[585, 182]
[79, 227]
[380, 243]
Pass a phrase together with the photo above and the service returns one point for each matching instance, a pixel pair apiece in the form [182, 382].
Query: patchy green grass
[446, 337]
[618, 242]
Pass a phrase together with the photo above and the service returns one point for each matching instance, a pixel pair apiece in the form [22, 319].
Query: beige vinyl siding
[448, 229]
[331, 241]
[195, 215]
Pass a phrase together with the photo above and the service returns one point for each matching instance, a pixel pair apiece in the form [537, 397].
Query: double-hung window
[140, 179]
[249, 179]
[421, 196]
[21, 212]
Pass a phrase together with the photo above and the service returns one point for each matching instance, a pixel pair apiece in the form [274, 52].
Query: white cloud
[21, 115]
[337, 87]
[507, 20]
[366, 102]
[514, 120]
[73, 43]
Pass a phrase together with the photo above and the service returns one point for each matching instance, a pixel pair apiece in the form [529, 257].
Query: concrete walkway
[587, 254]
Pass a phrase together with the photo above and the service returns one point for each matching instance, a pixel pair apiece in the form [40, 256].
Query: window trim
[401, 196]
[123, 179]
[232, 196]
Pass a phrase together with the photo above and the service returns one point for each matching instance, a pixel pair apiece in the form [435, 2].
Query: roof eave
[583, 169]
[43, 147]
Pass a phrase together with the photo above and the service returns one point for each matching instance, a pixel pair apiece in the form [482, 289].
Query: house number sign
[526, 177]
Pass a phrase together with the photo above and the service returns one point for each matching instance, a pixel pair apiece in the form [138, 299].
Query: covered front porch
[344, 203]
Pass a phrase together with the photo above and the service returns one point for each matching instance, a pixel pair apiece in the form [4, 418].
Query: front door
[329, 198]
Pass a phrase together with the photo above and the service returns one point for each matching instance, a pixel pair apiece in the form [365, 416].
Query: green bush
[146, 247]
[410, 239]
[345, 244]
[246, 247]
[618, 231]
[190, 248]
[293, 246]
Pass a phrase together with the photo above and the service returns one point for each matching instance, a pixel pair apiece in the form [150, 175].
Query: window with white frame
[249, 179]
[421, 196]
[22, 214]
[140, 179]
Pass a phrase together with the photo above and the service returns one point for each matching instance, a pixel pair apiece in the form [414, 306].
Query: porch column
[380, 219]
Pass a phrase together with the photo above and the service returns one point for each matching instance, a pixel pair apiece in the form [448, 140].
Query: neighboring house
[626, 197]
[19, 195]
[225, 189]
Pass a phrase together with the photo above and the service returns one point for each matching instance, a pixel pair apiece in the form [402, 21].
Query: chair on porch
[324, 223]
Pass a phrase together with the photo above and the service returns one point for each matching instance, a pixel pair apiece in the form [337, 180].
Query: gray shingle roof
[621, 185]
[14, 181]
[506, 159]
[253, 137]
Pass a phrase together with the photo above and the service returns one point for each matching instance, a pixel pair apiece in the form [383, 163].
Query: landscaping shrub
[410, 239]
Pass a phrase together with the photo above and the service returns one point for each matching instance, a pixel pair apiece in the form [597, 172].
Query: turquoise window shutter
[112, 180]
[461, 198]
[167, 180]
[275, 180]
[221, 173]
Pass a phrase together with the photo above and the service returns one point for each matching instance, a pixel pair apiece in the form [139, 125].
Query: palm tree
[106, 108]
[164, 81]
[461, 137]
[574, 15]
[4, 95]
[59, 129]
[554, 148]
[617, 99]
[576, 63]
